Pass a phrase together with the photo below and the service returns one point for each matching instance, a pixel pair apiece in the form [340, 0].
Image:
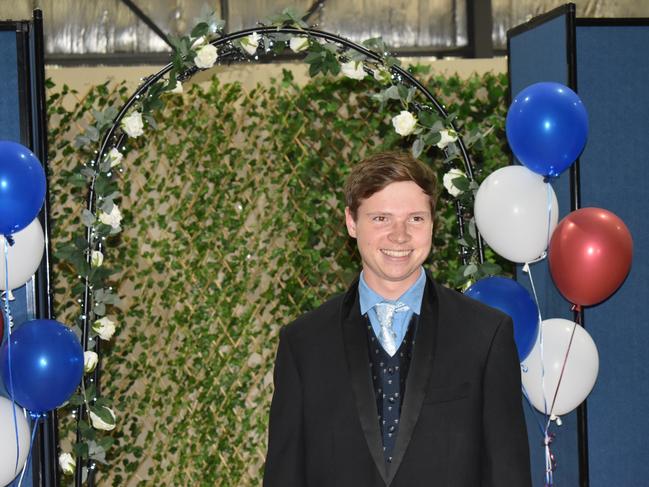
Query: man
[400, 382]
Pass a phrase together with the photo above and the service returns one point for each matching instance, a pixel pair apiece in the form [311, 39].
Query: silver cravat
[385, 314]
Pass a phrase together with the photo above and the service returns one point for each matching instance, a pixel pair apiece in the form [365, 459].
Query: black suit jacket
[461, 421]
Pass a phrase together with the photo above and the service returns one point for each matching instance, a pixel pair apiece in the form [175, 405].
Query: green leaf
[461, 183]
[76, 400]
[490, 269]
[87, 218]
[80, 450]
[427, 117]
[103, 413]
[470, 270]
[201, 29]
[432, 138]
[417, 147]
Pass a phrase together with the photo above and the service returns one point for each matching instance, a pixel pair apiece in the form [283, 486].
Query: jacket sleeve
[285, 457]
[506, 459]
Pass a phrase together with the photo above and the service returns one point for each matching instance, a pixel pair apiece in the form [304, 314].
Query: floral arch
[422, 120]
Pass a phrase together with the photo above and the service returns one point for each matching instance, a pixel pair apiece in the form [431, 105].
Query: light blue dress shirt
[412, 298]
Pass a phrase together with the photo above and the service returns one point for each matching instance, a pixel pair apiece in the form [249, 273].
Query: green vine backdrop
[233, 226]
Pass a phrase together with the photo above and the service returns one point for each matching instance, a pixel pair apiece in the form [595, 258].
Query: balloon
[22, 187]
[590, 255]
[8, 470]
[511, 298]
[547, 127]
[580, 371]
[511, 213]
[24, 255]
[47, 364]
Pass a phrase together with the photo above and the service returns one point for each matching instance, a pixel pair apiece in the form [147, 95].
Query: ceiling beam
[145, 18]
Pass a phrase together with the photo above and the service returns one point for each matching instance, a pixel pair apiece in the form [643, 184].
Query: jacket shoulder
[470, 309]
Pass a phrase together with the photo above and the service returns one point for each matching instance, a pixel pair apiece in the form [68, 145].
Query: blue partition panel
[22, 308]
[613, 75]
[9, 108]
[540, 54]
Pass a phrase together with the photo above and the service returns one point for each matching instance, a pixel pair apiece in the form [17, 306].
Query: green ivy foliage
[233, 226]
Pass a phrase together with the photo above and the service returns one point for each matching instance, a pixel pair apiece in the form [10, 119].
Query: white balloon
[8, 470]
[24, 256]
[511, 213]
[580, 371]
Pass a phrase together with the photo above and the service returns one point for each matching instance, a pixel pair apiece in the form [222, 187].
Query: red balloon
[590, 255]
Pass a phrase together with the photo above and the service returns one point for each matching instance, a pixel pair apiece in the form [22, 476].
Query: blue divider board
[22, 308]
[613, 75]
[535, 55]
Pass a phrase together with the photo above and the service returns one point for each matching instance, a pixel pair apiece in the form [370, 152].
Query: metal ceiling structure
[131, 32]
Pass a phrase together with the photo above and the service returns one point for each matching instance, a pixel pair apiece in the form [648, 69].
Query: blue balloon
[511, 298]
[46, 364]
[22, 187]
[547, 127]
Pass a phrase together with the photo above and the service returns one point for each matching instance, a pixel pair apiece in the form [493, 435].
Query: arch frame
[229, 53]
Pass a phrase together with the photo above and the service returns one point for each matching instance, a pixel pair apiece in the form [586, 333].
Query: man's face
[393, 230]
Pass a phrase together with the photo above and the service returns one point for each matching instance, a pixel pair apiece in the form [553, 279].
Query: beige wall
[82, 78]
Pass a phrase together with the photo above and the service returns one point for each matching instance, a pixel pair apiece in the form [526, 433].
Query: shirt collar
[412, 297]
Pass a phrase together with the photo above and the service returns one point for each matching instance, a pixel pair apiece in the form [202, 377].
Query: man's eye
[418, 218]
[379, 218]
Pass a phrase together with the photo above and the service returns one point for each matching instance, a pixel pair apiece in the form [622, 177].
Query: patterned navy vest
[389, 378]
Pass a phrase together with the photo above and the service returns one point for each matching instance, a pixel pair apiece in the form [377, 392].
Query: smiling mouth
[396, 253]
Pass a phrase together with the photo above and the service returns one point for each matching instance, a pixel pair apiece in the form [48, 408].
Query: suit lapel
[355, 339]
[420, 368]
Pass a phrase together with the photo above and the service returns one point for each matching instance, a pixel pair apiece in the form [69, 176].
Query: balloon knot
[576, 308]
[548, 439]
[10, 239]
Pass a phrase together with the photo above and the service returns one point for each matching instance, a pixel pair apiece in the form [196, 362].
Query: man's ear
[349, 221]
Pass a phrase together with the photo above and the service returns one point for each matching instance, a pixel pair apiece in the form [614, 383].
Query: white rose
[448, 136]
[104, 327]
[206, 57]
[251, 43]
[67, 463]
[133, 125]
[404, 123]
[115, 157]
[114, 218]
[298, 44]
[100, 424]
[178, 89]
[353, 69]
[448, 181]
[90, 360]
[96, 258]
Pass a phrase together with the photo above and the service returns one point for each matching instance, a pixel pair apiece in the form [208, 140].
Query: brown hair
[375, 172]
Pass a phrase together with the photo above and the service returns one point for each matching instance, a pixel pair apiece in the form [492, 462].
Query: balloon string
[547, 438]
[7, 315]
[547, 240]
[528, 271]
[31, 444]
[547, 441]
[563, 368]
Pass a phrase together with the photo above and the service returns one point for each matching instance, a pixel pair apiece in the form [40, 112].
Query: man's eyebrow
[370, 213]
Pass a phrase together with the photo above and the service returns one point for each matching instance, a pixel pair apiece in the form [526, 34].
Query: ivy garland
[426, 126]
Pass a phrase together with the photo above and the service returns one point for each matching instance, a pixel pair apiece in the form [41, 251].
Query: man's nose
[399, 233]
